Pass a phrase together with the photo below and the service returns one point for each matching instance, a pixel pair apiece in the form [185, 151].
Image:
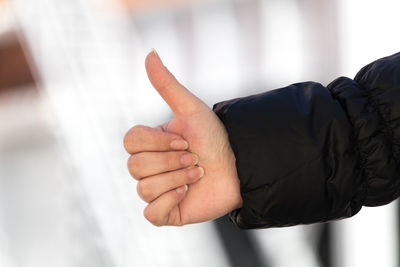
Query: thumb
[179, 99]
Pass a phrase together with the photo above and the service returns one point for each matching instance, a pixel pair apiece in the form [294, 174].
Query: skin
[194, 143]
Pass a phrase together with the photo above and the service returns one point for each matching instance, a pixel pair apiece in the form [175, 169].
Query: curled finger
[152, 187]
[157, 212]
[147, 164]
[143, 138]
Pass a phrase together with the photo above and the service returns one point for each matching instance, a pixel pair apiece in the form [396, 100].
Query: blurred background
[72, 82]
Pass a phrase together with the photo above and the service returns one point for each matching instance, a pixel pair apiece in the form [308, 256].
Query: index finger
[147, 139]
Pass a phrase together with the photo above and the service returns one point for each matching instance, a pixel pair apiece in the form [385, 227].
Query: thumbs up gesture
[185, 168]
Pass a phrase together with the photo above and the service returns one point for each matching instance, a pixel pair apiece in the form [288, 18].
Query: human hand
[217, 192]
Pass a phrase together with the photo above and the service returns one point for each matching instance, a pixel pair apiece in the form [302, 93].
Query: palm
[218, 191]
[213, 195]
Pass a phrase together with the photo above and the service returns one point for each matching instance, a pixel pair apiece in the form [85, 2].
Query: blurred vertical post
[320, 20]
[249, 23]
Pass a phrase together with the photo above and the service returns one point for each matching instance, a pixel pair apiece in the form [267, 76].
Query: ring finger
[152, 187]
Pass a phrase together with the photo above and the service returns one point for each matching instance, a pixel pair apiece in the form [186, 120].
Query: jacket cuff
[291, 147]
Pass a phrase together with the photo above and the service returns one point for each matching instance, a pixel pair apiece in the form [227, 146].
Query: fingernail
[181, 190]
[189, 159]
[196, 172]
[154, 51]
[196, 159]
[179, 145]
[156, 54]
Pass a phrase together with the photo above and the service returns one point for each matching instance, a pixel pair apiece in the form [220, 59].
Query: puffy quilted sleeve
[308, 153]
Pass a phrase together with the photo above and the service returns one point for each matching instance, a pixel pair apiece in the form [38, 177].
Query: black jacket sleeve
[308, 153]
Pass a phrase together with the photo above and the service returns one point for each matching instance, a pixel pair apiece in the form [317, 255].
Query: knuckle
[148, 214]
[152, 217]
[126, 142]
[144, 191]
[132, 137]
[134, 163]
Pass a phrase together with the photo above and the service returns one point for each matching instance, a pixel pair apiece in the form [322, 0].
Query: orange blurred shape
[14, 68]
[144, 5]
[15, 71]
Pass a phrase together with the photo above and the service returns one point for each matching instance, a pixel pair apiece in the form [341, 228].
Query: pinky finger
[158, 211]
